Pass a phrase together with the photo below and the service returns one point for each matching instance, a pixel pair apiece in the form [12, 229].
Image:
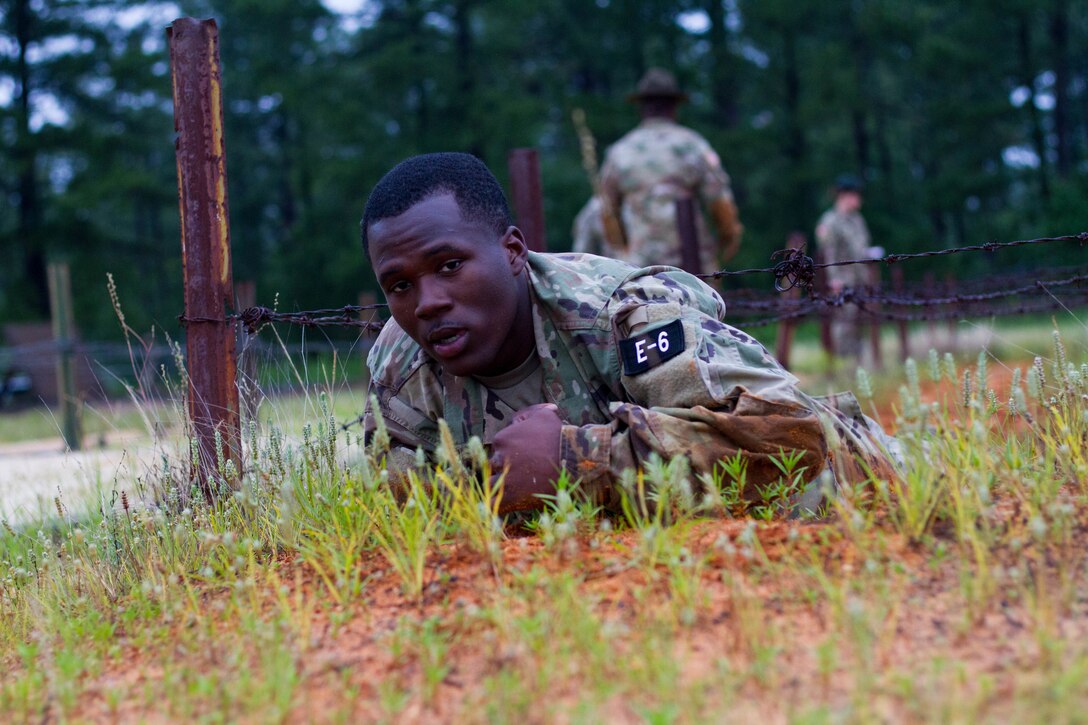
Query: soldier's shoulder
[671, 284]
[631, 143]
[394, 357]
[577, 285]
[688, 133]
[829, 218]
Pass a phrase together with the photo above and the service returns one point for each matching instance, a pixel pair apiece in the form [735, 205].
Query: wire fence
[797, 295]
[796, 274]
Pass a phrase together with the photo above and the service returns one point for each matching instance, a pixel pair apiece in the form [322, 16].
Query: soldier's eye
[452, 266]
[398, 287]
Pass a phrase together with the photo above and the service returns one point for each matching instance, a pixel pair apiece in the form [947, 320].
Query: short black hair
[413, 180]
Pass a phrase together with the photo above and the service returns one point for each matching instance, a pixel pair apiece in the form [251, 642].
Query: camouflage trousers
[847, 332]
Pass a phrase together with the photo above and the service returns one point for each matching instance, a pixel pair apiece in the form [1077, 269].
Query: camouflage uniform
[643, 175]
[843, 236]
[722, 394]
[587, 231]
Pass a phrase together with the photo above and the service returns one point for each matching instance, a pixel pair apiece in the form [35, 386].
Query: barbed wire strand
[793, 269]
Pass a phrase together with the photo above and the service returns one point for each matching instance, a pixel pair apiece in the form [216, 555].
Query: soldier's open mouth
[449, 345]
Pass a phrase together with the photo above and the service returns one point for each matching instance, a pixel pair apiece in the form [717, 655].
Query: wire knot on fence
[796, 269]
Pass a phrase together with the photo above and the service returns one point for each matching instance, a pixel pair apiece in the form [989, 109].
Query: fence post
[874, 324]
[930, 282]
[953, 321]
[205, 246]
[525, 191]
[827, 314]
[60, 306]
[899, 288]
[784, 337]
[689, 235]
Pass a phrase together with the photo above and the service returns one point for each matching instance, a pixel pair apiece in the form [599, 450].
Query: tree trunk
[862, 63]
[1059, 43]
[1027, 77]
[795, 146]
[884, 156]
[466, 76]
[30, 216]
[635, 34]
[723, 83]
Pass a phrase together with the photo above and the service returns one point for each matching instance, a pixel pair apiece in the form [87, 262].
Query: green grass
[98, 418]
[310, 594]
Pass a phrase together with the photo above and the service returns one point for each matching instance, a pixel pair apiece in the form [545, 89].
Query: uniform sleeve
[825, 236]
[715, 183]
[722, 395]
[610, 184]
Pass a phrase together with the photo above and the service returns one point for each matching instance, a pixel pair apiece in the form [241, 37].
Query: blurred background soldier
[842, 234]
[658, 163]
[588, 230]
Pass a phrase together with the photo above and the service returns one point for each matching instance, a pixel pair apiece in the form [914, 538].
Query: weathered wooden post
[899, 288]
[523, 166]
[205, 246]
[688, 234]
[60, 305]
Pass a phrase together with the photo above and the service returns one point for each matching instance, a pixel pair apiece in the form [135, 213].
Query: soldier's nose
[432, 300]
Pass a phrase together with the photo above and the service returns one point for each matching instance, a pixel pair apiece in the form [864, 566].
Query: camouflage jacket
[643, 175]
[587, 231]
[841, 237]
[718, 393]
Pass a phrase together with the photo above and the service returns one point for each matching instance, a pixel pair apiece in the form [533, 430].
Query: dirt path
[34, 473]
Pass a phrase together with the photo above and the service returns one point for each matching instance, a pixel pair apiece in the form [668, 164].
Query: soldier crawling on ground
[570, 361]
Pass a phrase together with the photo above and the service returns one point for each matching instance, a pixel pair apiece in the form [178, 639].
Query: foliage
[961, 116]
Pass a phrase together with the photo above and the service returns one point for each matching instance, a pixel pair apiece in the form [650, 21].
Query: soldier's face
[455, 286]
[850, 200]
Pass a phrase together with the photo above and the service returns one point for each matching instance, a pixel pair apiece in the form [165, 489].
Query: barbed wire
[818, 308]
[254, 318]
[797, 269]
[793, 270]
[869, 294]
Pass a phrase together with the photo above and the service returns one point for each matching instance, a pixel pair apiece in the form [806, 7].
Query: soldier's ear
[517, 251]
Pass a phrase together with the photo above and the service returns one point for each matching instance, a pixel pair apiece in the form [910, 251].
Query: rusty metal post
[820, 287]
[205, 246]
[874, 324]
[950, 290]
[930, 282]
[688, 234]
[784, 336]
[904, 331]
[525, 191]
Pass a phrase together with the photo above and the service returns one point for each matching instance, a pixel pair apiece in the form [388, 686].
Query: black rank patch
[651, 348]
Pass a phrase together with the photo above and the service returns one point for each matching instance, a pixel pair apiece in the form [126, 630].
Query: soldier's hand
[730, 245]
[528, 450]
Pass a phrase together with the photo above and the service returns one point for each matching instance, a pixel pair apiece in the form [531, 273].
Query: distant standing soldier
[658, 163]
[588, 229]
[842, 234]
